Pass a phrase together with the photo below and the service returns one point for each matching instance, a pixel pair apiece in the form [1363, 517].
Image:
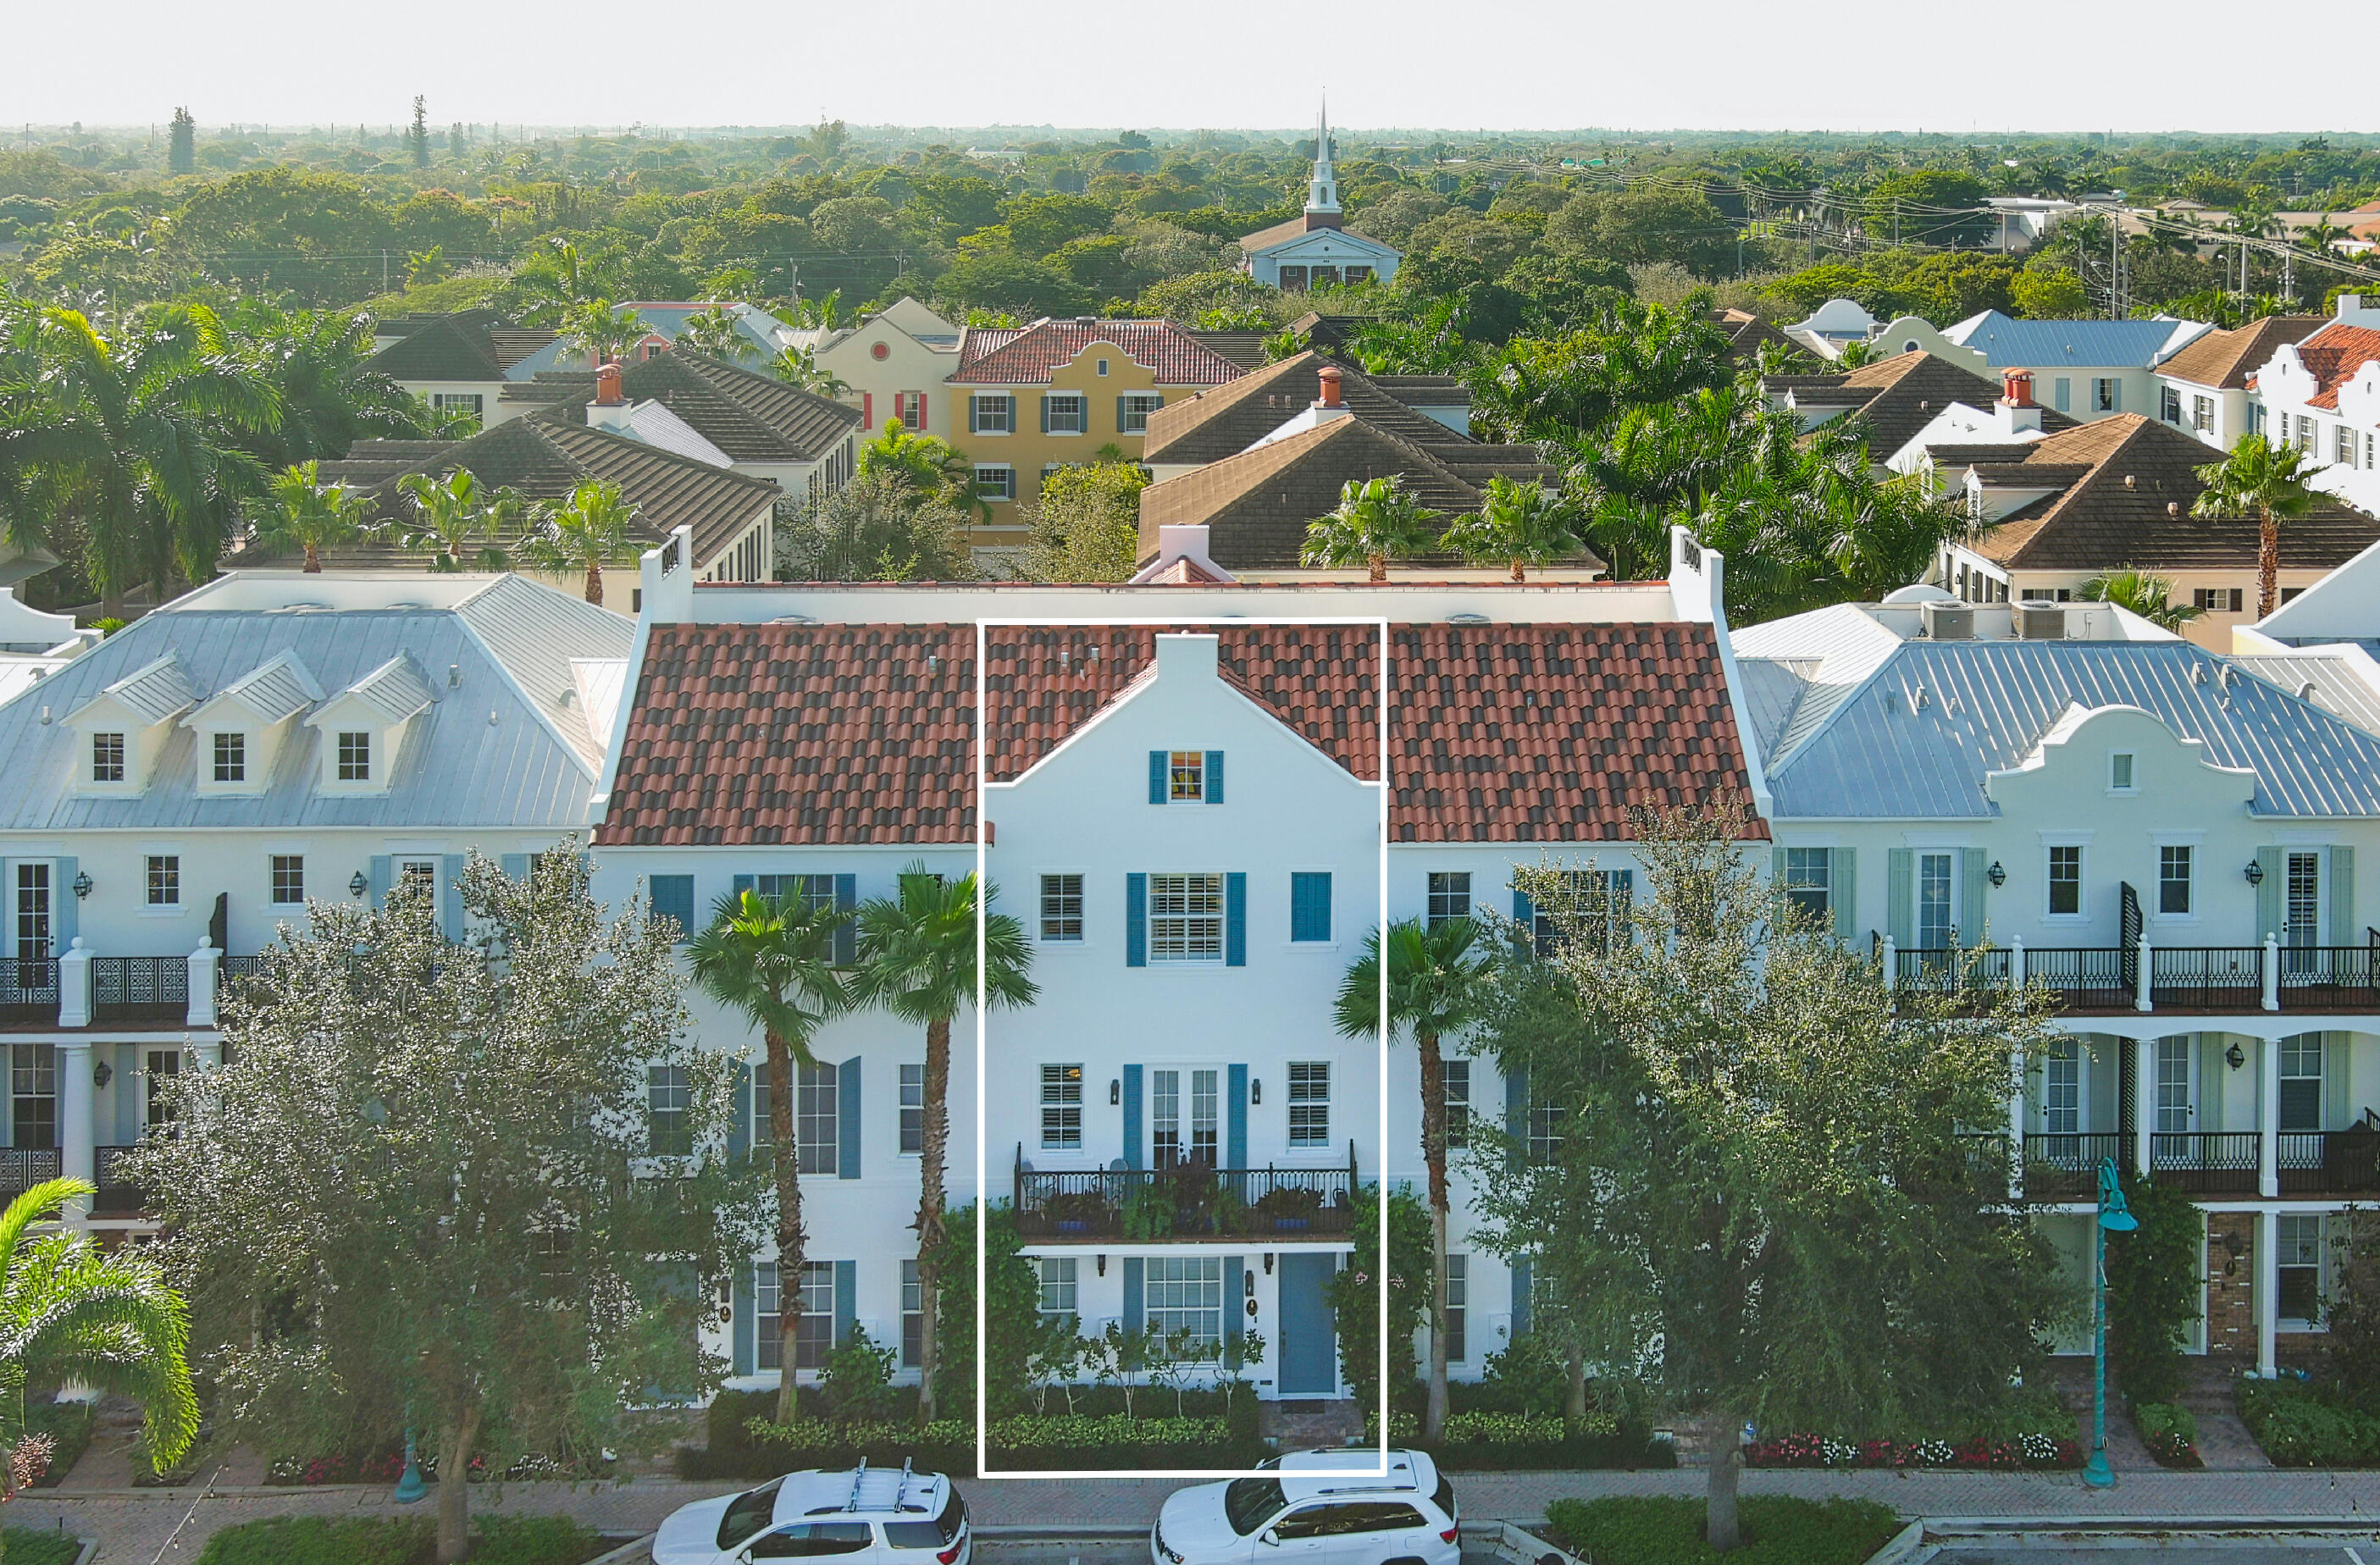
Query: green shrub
[382, 1540]
[2170, 1432]
[2152, 1286]
[947, 1444]
[2298, 1427]
[39, 1545]
[1777, 1529]
[68, 1425]
[1508, 1442]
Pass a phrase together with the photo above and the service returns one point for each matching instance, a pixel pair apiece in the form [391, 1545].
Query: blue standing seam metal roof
[1987, 704]
[455, 769]
[2007, 342]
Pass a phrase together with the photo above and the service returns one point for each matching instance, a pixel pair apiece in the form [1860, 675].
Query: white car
[866, 1517]
[1303, 1513]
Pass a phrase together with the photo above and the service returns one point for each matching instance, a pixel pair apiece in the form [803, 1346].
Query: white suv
[1305, 1513]
[863, 1518]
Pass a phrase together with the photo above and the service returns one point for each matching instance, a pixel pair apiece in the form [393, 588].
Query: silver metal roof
[1883, 755]
[275, 691]
[500, 745]
[2330, 679]
[2005, 342]
[1848, 644]
[152, 692]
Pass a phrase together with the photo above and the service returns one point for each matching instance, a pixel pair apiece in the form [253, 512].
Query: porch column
[2143, 1101]
[2268, 1118]
[206, 975]
[2142, 976]
[76, 1002]
[2268, 1291]
[75, 1159]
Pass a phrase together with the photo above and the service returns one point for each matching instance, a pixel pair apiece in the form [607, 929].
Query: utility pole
[2115, 264]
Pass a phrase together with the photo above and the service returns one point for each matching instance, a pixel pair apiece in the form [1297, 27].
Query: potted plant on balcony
[1075, 1211]
[1291, 1207]
[1149, 1211]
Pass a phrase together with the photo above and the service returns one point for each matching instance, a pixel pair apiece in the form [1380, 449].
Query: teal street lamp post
[409, 1486]
[2114, 1217]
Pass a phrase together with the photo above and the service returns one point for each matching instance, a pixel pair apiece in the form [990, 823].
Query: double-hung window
[1061, 907]
[1545, 1132]
[1061, 1108]
[1060, 1288]
[1309, 1103]
[2300, 1257]
[288, 879]
[2343, 451]
[2107, 395]
[991, 413]
[164, 879]
[2202, 414]
[231, 758]
[1450, 895]
[354, 757]
[1185, 776]
[33, 1085]
[1185, 917]
[817, 1102]
[107, 757]
[2301, 1099]
[1061, 413]
[1458, 1303]
[1809, 880]
[2065, 881]
[2173, 877]
[1456, 1076]
[995, 480]
[913, 1315]
[2169, 407]
[1596, 899]
[912, 1108]
[1180, 1294]
[1133, 410]
[910, 408]
[669, 1096]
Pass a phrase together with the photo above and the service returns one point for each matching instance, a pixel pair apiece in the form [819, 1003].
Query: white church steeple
[1322, 191]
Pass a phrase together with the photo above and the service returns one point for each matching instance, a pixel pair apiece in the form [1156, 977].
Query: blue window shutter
[1901, 895]
[1525, 914]
[451, 914]
[1135, 1271]
[746, 1304]
[1132, 1116]
[2268, 892]
[1516, 1112]
[1309, 905]
[383, 874]
[1119, 415]
[1623, 892]
[1235, 1289]
[1971, 897]
[2342, 905]
[1843, 890]
[846, 935]
[846, 1299]
[972, 427]
[1235, 1119]
[1236, 919]
[1521, 1296]
[1213, 790]
[1136, 920]
[65, 908]
[673, 897]
[739, 1126]
[846, 1119]
[515, 865]
[1157, 789]
[1045, 414]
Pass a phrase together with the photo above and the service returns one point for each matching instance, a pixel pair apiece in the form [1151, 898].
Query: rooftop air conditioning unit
[2037, 621]
[1948, 622]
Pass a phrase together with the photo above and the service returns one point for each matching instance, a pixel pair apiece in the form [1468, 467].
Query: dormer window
[231, 758]
[107, 757]
[354, 757]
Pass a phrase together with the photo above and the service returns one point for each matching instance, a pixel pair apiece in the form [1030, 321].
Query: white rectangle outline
[982, 1188]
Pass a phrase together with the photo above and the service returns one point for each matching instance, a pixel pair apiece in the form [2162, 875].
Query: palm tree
[591, 530]
[602, 332]
[917, 959]
[1438, 980]
[927, 464]
[798, 366]
[1524, 523]
[139, 435]
[105, 1318]
[2150, 597]
[2268, 481]
[1377, 520]
[450, 510]
[716, 332]
[772, 958]
[310, 515]
[316, 360]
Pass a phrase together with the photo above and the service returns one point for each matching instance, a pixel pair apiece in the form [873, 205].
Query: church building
[1311, 249]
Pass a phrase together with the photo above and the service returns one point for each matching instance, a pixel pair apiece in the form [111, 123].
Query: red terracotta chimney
[1329, 376]
[607, 385]
[2016, 387]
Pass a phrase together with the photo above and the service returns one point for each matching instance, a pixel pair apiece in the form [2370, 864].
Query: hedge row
[1034, 1442]
[1777, 1529]
[382, 1540]
[2300, 1426]
[1524, 1442]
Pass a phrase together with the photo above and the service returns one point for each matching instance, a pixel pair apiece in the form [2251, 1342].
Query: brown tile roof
[472, 344]
[1026, 356]
[1243, 349]
[2098, 520]
[750, 417]
[1280, 233]
[865, 733]
[1747, 332]
[2333, 355]
[1911, 389]
[2227, 360]
[1225, 419]
[545, 457]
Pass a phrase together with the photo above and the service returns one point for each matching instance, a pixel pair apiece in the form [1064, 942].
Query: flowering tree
[423, 1190]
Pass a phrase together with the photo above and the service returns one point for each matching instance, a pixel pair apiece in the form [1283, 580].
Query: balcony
[21, 1167]
[2330, 1162]
[141, 989]
[2206, 1163]
[2207, 980]
[29, 988]
[118, 1196]
[1184, 1203]
[2064, 1166]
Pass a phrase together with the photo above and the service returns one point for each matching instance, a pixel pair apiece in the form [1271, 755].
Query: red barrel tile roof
[768, 734]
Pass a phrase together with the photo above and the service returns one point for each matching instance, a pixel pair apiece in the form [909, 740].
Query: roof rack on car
[857, 1478]
[902, 1489]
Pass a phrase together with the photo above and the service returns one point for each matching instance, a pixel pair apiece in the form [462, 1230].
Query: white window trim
[2082, 914]
[2128, 790]
[1222, 917]
[1079, 941]
[1170, 800]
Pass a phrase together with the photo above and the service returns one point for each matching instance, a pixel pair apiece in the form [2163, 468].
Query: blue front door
[1309, 1343]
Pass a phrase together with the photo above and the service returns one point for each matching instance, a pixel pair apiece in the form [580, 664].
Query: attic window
[355, 757]
[2119, 773]
[107, 757]
[231, 758]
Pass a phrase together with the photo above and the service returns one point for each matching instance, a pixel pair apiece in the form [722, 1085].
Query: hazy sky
[1861, 64]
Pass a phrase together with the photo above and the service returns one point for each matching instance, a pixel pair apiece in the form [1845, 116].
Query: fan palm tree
[1521, 523]
[772, 959]
[592, 529]
[448, 511]
[139, 435]
[316, 362]
[1376, 520]
[1438, 981]
[311, 514]
[2264, 481]
[602, 332]
[105, 1318]
[927, 464]
[716, 332]
[2150, 597]
[916, 959]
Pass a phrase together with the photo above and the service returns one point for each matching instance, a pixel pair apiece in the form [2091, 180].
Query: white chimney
[610, 410]
[2018, 412]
